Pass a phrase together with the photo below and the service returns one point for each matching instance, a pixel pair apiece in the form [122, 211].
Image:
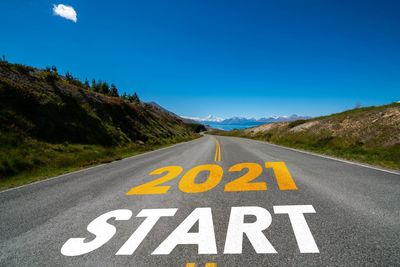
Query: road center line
[217, 156]
[208, 264]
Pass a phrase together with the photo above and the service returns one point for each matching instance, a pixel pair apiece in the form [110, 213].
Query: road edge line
[325, 156]
[96, 166]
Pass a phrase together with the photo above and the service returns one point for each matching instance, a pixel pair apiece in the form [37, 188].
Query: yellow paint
[217, 156]
[282, 175]
[154, 187]
[243, 183]
[187, 183]
[215, 173]
[208, 264]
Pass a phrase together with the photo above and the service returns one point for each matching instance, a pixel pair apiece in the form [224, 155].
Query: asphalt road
[356, 220]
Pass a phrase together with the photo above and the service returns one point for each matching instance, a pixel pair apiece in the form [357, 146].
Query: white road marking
[304, 237]
[237, 228]
[326, 157]
[100, 228]
[204, 238]
[93, 167]
[152, 216]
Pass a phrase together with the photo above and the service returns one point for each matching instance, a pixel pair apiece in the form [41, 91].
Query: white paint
[205, 238]
[96, 166]
[304, 237]
[100, 228]
[152, 217]
[327, 157]
[237, 228]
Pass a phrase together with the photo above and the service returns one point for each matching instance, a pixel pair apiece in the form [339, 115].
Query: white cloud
[67, 12]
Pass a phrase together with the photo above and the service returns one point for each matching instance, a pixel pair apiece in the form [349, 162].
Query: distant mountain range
[209, 118]
[242, 120]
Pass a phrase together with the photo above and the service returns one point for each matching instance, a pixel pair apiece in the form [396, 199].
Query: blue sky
[225, 58]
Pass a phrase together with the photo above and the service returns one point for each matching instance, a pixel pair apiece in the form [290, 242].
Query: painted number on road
[154, 186]
[215, 174]
[188, 185]
[243, 183]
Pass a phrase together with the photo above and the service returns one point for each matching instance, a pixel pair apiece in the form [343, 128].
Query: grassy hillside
[50, 124]
[369, 134]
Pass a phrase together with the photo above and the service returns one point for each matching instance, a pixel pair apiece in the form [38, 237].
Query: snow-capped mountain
[209, 118]
[283, 118]
[243, 120]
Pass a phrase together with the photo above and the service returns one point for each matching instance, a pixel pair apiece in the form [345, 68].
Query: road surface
[356, 220]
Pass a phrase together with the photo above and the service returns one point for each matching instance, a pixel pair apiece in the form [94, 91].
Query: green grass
[369, 143]
[342, 148]
[51, 125]
[328, 145]
[32, 160]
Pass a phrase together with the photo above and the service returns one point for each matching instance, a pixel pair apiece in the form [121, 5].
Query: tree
[124, 96]
[136, 98]
[96, 86]
[86, 84]
[69, 76]
[133, 98]
[93, 86]
[54, 69]
[113, 90]
[104, 88]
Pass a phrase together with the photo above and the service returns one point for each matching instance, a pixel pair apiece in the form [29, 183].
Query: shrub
[293, 124]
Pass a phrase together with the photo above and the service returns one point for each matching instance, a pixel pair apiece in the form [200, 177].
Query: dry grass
[370, 135]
